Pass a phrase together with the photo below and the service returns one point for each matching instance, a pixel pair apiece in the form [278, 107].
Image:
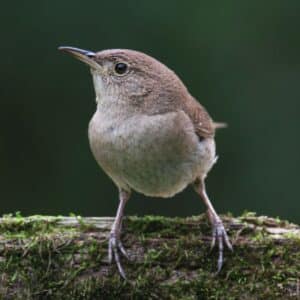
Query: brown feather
[163, 91]
[203, 124]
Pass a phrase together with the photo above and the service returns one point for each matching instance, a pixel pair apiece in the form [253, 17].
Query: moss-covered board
[43, 257]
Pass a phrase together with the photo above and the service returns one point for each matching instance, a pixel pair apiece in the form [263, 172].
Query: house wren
[148, 134]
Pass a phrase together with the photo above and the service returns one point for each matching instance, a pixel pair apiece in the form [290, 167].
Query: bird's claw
[219, 234]
[114, 247]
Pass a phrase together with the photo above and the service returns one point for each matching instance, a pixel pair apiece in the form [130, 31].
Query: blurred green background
[241, 59]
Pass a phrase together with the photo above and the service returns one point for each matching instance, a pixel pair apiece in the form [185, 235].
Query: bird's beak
[88, 57]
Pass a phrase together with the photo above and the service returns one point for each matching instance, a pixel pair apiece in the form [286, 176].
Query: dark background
[241, 59]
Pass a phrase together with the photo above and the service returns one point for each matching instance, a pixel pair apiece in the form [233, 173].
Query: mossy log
[170, 258]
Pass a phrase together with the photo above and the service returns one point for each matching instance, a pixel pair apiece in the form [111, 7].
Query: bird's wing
[203, 124]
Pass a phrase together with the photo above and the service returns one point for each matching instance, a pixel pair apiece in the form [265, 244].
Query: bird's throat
[98, 86]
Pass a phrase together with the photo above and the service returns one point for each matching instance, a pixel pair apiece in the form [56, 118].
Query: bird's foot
[114, 248]
[220, 236]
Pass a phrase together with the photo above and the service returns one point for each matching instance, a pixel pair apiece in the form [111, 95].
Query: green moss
[40, 259]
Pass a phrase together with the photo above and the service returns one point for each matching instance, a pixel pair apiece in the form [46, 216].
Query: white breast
[155, 155]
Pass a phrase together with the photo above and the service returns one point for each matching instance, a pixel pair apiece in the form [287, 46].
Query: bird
[149, 135]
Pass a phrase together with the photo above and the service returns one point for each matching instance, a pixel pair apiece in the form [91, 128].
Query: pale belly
[154, 155]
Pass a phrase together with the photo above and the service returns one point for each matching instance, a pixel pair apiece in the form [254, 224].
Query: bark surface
[44, 257]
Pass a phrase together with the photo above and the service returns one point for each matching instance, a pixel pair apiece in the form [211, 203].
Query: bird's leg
[218, 231]
[114, 245]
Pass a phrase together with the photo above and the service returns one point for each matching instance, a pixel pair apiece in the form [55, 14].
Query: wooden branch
[66, 258]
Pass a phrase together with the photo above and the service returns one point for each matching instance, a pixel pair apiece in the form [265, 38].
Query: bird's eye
[121, 68]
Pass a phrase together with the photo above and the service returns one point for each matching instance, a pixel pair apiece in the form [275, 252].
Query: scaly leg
[114, 244]
[218, 232]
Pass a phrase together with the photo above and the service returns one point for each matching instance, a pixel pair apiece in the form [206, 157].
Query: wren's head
[130, 76]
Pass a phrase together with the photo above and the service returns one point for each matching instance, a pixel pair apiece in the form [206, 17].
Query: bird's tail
[218, 125]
